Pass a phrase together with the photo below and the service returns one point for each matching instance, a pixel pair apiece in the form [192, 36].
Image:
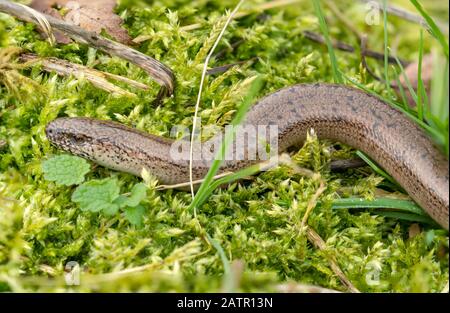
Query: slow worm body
[335, 112]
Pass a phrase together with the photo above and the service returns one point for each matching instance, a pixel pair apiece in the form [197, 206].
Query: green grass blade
[378, 169]
[420, 87]
[385, 203]
[407, 81]
[204, 190]
[386, 50]
[222, 255]
[405, 104]
[246, 172]
[440, 98]
[434, 29]
[423, 104]
[228, 277]
[393, 208]
[324, 29]
[438, 136]
[420, 97]
[439, 90]
[407, 217]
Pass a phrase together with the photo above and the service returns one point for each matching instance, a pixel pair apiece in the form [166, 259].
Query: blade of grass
[407, 217]
[324, 28]
[440, 98]
[405, 105]
[225, 180]
[379, 170]
[246, 172]
[404, 209]
[204, 189]
[439, 92]
[223, 257]
[420, 97]
[434, 29]
[407, 81]
[204, 192]
[385, 203]
[241, 114]
[386, 50]
[437, 122]
[202, 80]
[420, 87]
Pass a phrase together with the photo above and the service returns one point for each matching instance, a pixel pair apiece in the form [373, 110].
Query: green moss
[256, 221]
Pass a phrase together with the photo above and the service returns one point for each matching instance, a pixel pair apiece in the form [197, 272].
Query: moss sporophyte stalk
[56, 208]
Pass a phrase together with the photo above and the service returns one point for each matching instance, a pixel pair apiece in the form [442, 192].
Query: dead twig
[312, 236]
[160, 72]
[232, 46]
[366, 66]
[303, 288]
[406, 15]
[318, 242]
[9, 75]
[319, 39]
[226, 67]
[97, 78]
[336, 12]
[348, 48]
[342, 165]
[401, 84]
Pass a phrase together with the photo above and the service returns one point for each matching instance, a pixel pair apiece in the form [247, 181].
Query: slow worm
[335, 112]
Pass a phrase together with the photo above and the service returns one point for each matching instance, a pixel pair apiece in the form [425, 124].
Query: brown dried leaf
[90, 15]
[47, 7]
[96, 16]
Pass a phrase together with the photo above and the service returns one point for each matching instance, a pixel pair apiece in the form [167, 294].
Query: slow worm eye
[78, 139]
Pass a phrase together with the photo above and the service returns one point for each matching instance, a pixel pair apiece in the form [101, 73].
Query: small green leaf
[138, 193]
[65, 169]
[98, 195]
[121, 201]
[111, 210]
[429, 237]
[135, 214]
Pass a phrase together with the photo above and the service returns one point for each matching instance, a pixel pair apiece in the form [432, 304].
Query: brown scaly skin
[334, 112]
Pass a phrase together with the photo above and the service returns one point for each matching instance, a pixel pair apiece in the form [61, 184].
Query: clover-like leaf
[98, 195]
[135, 214]
[65, 170]
[138, 193]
